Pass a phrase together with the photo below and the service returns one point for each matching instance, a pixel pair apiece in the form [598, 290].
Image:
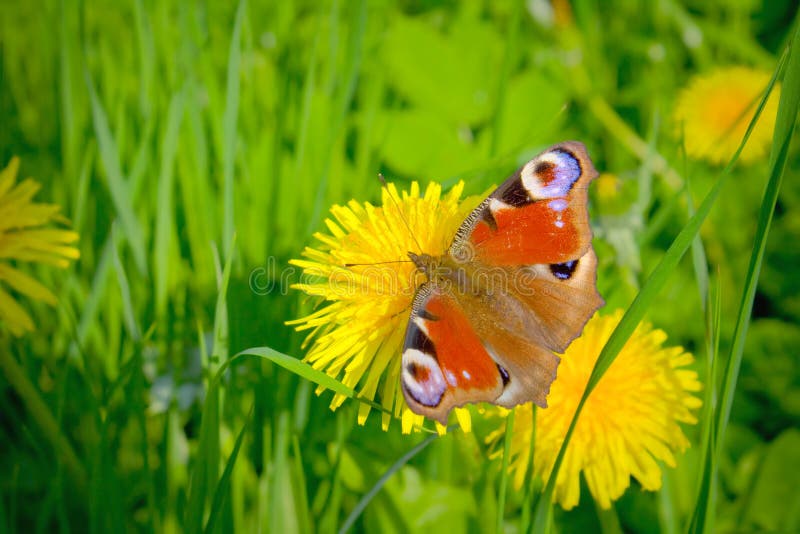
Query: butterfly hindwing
[562, 297]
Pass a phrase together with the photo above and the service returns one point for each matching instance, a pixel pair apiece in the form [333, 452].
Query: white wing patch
[422, 378]
[495, 205]
[565, 171]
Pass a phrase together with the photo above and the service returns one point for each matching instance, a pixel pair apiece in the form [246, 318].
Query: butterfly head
[425, 263]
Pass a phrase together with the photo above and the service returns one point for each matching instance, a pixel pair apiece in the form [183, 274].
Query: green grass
[196, 147]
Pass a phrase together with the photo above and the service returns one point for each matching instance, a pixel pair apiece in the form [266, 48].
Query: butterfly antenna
[376, 263]
[399, 211]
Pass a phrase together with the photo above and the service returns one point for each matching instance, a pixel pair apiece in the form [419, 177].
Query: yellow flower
[362, 271]
[23, 238]
[630, 421]
[607, 186]
[714, 110]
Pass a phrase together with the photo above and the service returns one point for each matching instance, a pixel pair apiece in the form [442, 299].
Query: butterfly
[515, 287]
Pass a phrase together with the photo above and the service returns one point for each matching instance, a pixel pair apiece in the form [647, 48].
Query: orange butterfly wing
[472, 339]
[538, 215]
[537, 221]
[445, 364]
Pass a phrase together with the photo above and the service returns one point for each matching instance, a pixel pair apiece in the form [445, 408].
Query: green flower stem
[44, 418]
[501, 498]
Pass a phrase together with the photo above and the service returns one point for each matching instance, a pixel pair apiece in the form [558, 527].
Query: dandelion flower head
[360, 269]
[630, 422]
[24, 238]
[713, 112]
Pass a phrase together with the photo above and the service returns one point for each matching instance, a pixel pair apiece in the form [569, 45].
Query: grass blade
[41, 414]
[206, 461]
[501, 497]
[223, 486]
[299, 368]
[704, 503]
[165, 217]
[128, 312]
[304, 518]
[511, 50]
[147, 57]
[784, 128]
[96, 295]
[206, 466]
[367, 498]
[229, 127]
[530, 490]
[118, 187]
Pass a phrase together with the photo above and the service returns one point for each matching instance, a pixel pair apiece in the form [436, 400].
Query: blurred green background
[166, 128]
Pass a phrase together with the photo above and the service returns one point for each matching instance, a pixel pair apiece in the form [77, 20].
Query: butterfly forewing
[445, 364]
[537, 216]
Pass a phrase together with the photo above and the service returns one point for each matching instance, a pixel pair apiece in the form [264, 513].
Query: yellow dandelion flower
[607, 186]
[629, 423]
[714, 110]
[361, 270]
[23, 238]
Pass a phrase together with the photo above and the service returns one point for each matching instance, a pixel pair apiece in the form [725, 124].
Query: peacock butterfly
[516, 286]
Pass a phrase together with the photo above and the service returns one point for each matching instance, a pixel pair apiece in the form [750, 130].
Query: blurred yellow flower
[607, 186]
[362, 271]
[23, 238]
[713, 111]
[629, 422]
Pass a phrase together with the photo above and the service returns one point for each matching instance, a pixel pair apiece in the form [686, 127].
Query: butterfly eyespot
[564, 271]
[420, 374]
[422, 379]
[545, 171]
[552, 176]
[504, 375]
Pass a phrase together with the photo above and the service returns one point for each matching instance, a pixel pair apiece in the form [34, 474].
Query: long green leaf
[118, 186]
[702, 517]
[367, 498]
[125, 291]
[205, 461]
[304, 370]
[206, 464]
[342, 103]
[165, 217]
[501, 496]
[229, 127]
[784, 129]
[223, 486]
[299, 368]
[304, 517]
[512, 49]
[147, 58]
[704, 503]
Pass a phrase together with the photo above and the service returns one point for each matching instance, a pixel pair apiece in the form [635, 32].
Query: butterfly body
[516, 285]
